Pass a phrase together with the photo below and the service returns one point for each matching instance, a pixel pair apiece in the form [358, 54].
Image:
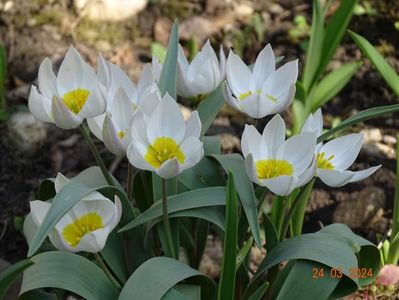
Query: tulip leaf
[10, 274]
[228, 270]
[334, 32]
[114, 255]
[212, 145]
[242, 254]
[167, 81]
[70, 272]
[386, 71]
[332, 84]
[212, 196]
[260, 292]
[313, 55]
[38, 294]
[322, 247]
[270, 233]
[362, 116]
[301, 285]
[209, 108]
[245, 189]
[185, 291]
[157, 275]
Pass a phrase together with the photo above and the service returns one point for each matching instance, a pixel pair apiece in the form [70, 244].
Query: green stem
[106, 271]
[130, 177]
[86, 134]
[288, 216]
[281, 218]
[166, 223]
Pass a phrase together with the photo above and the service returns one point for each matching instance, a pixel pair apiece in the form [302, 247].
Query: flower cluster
[149, 128]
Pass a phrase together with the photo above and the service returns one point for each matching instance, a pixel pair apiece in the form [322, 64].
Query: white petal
[184, 87]
[193, 150]
[121, 110]
[284, 77]
[103, 71]
[239, 77]
[94, 242]
[251, 143]
[39, 105]
[38, 210]
[314, 123]
[166, 121]
[29, 228]
[193, 125]
[250, 168]
[230, 99]
[273, 135]
[360, 175]
[205, 76]
[117, 213]
[281, 185]
[284, 100]
[335, 178]
[136, 159]
[96, 125]
[138, 132]
[46, 79]
[119, 79]
[95, 104]
[251, 106]
[63, 117]
[156, 68]
[169, 169]
[266, 106]
[60, 181]
[111, 138]
[308, 174]
[70, 74]
[222, 64]
[264, 66]
[299, 151]
[146, 79]
[56, 240]
[149, 101]
[344, 150]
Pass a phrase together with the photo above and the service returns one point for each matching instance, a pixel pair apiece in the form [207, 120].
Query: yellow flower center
[324, 163]
[75, 99]
[87, 223]
[245, 95]
[271, 168]
[161, 150]
[121, 134]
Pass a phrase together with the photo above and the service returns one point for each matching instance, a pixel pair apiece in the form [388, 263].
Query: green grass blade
[332, 84]
[8, 276]
[362, 116]
[228, 271]
[242, 254]
[334, 32]
[313, 54]
[167, 82]
[386, 71]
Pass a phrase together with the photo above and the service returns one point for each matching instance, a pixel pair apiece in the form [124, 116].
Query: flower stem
[106, 271]
[169, 241]
[130, 177]
[86, 134]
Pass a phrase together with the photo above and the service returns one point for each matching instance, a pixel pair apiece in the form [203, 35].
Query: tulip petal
[281, 185]
[308, 174]
[314, 123]
[239, 77]
[283, 78]
[93, 242]
[230, 99]
[136, 158]
[138, 133]
[360, 175]
[343, 150]
[222, 64]
[250, 168]
[111, 138]
[251, 143]
[146, 79]
[39, 105]
[70, 73]
[29, 228]
[156, 68]
[284, 100]
[149, 100]
[193, 150]
[193, 126]
[335, 178]
[96, 125]
[251, 106]
[166, 121]
[169, 168]
[46, 79]
[103, 72]
[117, 213]
[273, 136]
[299, 151]
[264, 66]
[119, 79]
[63, 117]
[59, 182]
[38, 210]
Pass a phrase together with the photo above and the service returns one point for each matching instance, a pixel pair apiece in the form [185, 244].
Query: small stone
[276, 9]
[362, 208]
[162, 29]
[389, 139]
[371, 135]
[197, 26]
[243, 11]
[26, 134]
[378, 150]
[230, 143]
[110, 10]
[212, 259]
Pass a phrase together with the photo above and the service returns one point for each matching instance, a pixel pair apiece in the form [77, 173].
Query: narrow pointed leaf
[209, 108]
[242, 254]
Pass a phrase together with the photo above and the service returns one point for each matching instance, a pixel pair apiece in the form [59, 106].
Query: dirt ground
[32, 30]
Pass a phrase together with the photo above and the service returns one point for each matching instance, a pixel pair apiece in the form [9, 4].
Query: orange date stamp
[318, 273]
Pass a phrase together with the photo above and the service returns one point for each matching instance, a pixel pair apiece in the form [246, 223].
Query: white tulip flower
[84, 228]
[163, 142]
[68, 98]
[203, 75]
[262, 91]
[156, 66]
[123, 101]
[337, 155]
[278, 164]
